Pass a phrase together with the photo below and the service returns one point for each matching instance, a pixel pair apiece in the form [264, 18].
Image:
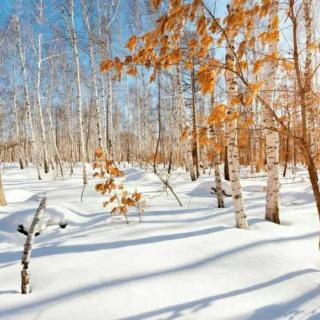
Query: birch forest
[159, 159]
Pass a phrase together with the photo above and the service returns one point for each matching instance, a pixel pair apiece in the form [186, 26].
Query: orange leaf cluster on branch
[162, 47]
[115, 192]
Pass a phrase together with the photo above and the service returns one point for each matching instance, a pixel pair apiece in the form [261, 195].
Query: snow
[180, 263]
[18, 195]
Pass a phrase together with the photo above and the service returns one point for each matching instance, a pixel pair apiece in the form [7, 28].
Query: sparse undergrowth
[116, 194]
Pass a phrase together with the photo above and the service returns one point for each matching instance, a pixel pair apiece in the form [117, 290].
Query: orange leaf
[131, 44]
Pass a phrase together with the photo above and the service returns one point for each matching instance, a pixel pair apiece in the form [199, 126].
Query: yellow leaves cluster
[287, 65]
[114, 192]
[247, 123]
[152, 77]
[313, 46]
[255, 87]
[241, 50]
[235, 19]
[132, 71]
[106, 65]
[99, 153]
[232, 116]
[203, 137]
[214, 27]
[206, 78]
[202, 25]
[265, 7]
[131, 44]
[234, 101]
[257, 66]
[274, 25]
[269, 37]
[155, 4]
[218, 114]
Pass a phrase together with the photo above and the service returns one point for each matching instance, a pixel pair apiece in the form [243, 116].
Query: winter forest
[159, 159]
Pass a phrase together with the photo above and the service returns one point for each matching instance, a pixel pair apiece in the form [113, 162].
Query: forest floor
[185, 262]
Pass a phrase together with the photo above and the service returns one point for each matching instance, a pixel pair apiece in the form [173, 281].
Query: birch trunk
[79, 97]
[26, 257]
[93, 72]
[3, 201]
[38, 84]
[186, 143]
[15, 109]
[216, 165]
[232, 142]
[109, 107]
[272, 136]
[195, 140]
[307, 4]
[303, 142]
[27, 97]
[52, 133]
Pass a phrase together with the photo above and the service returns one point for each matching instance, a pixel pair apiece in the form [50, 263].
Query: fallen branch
[26, 256]
[168, 186]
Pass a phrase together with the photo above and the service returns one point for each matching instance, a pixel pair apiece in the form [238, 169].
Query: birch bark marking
[26, 256]
[232, 143]
[109, 105]
[272, 136]
[216, 164]
[307, 4]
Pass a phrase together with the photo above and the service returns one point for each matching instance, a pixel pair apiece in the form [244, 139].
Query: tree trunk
[232, 141]
[3, 201]
[26, 257]
[186, 143]
[93, 72]
[27, 98]
[74, 44]
[272, 136]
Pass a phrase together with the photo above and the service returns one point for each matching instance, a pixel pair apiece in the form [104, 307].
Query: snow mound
[18, 195]
[53, 216]
[204, 189]
[142, 176]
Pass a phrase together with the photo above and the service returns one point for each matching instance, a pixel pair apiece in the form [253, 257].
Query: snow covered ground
[179, 263]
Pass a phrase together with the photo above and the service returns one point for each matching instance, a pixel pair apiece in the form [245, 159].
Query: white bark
[27, 97]
[26, 257]
[272, 137]
[93, 71]
[38, 84]
[74, 45]
[232, 143]
[307, 5]
[186, 143]
[51, 128]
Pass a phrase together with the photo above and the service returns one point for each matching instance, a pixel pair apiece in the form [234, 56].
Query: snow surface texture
[179, 263]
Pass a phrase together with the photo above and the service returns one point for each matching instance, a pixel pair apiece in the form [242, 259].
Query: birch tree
[73, 38]
[272, 136]
[232, 143]
[93, 71]
[26, 95]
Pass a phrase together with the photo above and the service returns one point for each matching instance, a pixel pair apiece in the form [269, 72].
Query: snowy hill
[185, 262]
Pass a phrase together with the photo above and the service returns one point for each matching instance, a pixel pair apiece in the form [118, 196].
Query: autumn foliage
[117, 196]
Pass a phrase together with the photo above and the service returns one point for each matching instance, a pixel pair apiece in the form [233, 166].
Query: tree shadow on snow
[54, 250]
[289, 309]
[176, 311]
